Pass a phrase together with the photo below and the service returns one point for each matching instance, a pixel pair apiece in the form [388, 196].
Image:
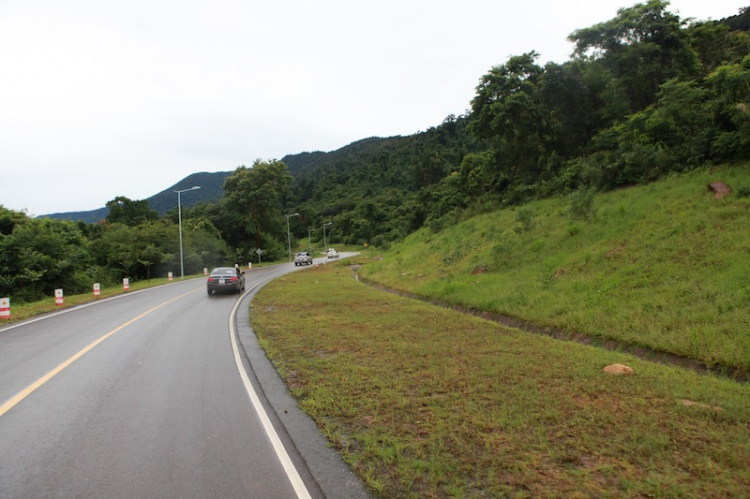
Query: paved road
[141, 396]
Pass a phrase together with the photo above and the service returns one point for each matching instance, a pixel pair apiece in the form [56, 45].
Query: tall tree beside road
[130, 212]
[716, 44]
[730, 84]
[641, 48]
[38, 256]
[255, 196]
[507, 110]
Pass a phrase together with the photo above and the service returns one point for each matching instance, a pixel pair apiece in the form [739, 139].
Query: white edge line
[50, 315]
[278, 446]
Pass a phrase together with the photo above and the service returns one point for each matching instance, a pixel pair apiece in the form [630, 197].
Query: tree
[641, 48]
[715, 44]
[570, 108]
[476, 176]
[129, 212]
[256, 196]
[674, 134]
[429, 169]
[507, 111]
[204, 246]
[40, 255]
[730, 85]
[9, 219]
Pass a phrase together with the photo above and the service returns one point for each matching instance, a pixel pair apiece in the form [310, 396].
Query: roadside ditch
[737, 374]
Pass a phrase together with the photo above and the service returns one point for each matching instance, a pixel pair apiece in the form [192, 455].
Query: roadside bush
[581, 205]
[524, 220]
[503, 250]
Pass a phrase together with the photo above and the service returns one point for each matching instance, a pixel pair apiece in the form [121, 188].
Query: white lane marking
[278, 446]
[79, 307]
[10, 404]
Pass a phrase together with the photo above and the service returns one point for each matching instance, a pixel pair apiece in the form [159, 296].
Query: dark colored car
[226, 279]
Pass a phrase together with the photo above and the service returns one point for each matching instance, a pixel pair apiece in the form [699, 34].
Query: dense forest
[643, 95]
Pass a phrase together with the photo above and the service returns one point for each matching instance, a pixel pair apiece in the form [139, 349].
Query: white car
[303, 258]
[332, 253]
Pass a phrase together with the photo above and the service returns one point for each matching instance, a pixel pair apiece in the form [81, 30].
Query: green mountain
[210, 192]
[381, 161]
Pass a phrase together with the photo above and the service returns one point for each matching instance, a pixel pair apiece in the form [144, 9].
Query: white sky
[102, 98]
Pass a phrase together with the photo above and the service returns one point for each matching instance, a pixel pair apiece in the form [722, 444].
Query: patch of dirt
[611, 253]
[690, 403]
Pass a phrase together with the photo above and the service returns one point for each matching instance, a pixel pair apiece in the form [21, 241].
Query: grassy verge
[426, 402]
[22, 311]
[665, 266]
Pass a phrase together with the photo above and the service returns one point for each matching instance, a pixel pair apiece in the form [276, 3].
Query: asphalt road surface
[157, 393]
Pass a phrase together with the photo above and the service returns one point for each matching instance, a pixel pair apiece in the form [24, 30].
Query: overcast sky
[100, 99]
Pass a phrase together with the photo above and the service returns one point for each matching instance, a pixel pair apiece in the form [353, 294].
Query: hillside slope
[664, 265]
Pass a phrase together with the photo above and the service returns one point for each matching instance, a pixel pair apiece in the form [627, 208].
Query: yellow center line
[10, 404]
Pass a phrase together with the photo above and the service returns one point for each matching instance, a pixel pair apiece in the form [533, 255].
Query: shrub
[524, 220]
[581, 205]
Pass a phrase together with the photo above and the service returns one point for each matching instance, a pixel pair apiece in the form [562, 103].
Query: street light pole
[309, 239]
[324, 234]
[288, 234]
[179, 218]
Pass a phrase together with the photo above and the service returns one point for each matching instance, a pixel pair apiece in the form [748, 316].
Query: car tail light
[210, 279]
[233, 279]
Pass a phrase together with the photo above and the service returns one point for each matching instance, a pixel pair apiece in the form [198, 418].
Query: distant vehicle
[226, 279]
[332, 253]
[303, 258]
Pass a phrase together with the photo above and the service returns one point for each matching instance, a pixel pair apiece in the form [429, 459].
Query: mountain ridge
[211, 183]
[211, 191]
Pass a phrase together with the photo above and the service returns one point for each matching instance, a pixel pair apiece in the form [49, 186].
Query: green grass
[665, 266]
[426, 402]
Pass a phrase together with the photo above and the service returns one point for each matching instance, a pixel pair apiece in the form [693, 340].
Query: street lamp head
[185, 190]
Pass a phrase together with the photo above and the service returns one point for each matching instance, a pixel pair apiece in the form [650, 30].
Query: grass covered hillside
[664, 265]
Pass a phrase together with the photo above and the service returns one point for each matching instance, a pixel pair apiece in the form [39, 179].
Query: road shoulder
[308, 449]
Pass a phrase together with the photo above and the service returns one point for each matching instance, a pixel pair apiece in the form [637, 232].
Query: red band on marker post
[4, 308]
